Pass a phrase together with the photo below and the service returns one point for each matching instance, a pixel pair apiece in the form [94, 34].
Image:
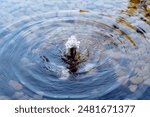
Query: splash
[72, 42]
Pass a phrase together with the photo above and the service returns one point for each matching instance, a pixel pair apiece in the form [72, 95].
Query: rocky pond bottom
[116, 57]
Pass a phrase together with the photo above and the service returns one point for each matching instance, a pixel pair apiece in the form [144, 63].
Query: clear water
[115, 33]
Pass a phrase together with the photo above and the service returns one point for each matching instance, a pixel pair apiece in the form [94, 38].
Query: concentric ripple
[31, 51]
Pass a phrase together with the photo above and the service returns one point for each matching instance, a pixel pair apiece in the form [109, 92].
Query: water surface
[115, 33]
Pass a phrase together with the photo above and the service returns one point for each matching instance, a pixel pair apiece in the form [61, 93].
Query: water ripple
[30, 59]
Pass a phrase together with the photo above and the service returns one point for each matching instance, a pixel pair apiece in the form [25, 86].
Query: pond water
[114, 37]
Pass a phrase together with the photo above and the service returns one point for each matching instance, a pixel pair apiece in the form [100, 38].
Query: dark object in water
[73, 55]
[44, 58]
[81, 11]
[73, 59]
